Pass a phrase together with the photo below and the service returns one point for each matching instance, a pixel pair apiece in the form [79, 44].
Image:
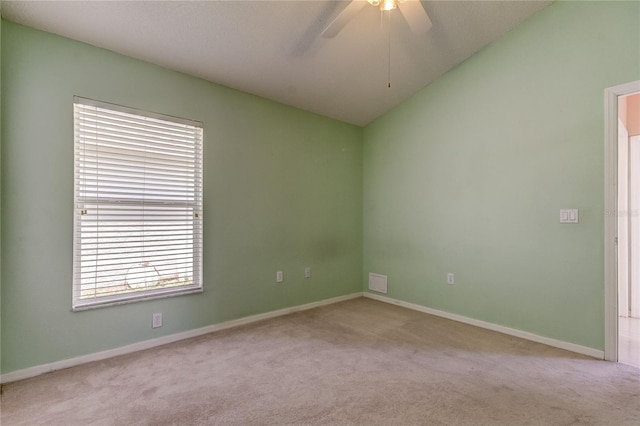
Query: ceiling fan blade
[416, 16]
[343, 18]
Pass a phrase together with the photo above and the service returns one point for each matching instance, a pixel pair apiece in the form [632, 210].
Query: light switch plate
[569, 216]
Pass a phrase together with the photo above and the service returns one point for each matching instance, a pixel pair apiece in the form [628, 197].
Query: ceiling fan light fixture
[384, 4]
[388, 5]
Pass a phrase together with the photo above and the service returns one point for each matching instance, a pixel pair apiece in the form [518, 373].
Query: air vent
[378, 283]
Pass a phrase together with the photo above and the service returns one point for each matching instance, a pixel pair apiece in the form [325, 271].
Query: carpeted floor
[358, 362]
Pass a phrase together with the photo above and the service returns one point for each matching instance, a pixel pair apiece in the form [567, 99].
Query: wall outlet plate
[307, 272]
[450, 278]
[279, 277]
[156, 320]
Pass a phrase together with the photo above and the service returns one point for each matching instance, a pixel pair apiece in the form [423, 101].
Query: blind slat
[104, 141]
[94, 124]
[113, 268]
[165, 123]
[117, 154]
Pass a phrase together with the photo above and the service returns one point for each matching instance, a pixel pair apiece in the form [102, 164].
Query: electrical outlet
[450, 279]
[307, 272]
[279, 277]
[156, 320]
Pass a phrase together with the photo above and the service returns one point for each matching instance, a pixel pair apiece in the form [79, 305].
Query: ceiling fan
[412, 10]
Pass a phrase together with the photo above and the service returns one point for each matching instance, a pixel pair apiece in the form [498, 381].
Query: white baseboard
[152, 343]
[595, 353]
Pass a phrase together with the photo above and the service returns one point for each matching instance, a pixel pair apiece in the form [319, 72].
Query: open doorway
[622, 223]
[628, 229]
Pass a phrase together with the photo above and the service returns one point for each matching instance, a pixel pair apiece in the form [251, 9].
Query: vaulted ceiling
[274, 49]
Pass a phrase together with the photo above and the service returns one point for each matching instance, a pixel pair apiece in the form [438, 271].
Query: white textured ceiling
[273, 48]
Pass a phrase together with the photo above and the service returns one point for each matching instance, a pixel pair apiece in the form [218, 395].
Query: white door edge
[610, 214]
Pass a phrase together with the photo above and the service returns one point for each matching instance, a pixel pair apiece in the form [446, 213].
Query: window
[138, 205]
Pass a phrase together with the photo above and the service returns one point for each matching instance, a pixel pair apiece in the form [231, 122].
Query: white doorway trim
[611, 214]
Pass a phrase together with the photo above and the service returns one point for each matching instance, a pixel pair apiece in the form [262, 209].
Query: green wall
[469, 175]
[282, 188]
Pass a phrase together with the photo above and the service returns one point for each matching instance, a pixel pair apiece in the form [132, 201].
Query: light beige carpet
[357, 362]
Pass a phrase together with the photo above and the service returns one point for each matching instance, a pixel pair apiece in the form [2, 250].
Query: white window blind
[138, 205]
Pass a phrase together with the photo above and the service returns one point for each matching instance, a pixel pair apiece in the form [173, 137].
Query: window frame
[195, 221]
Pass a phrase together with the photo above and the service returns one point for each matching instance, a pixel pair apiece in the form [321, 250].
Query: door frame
[611, 215]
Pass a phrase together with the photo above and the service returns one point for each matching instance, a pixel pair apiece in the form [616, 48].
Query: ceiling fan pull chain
[389, 56]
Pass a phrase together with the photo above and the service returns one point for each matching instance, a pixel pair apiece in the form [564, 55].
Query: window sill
[133, 298]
